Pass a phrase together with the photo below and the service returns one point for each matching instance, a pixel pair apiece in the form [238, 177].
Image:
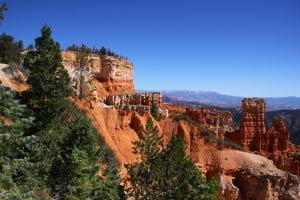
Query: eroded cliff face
[12, 77]
[217, 121]
[253, 135]
[242, 175]
[113, 75]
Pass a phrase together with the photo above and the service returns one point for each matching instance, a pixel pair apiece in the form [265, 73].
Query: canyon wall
[242, 175]
[114, 75]
[144, 98]
[217, 121]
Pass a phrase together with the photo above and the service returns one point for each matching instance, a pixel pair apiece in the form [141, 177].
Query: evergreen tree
[70, 145]
[103, 51]
[167, 174]
[143, 176]
[3, 7]
[9, 49]
[154, 112]
[30, 47]
[82, 75]
[48, 79]
[16, 177]
[180, 178]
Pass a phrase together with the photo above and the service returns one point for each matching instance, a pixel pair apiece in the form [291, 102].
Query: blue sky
[235, 47]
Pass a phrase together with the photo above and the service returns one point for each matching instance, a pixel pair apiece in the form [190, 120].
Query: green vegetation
[3, 7]
[166, 173]
[154, 112]
[101, 52]
[10, 50]
[55, 154]
[49, 149]
[82, 76]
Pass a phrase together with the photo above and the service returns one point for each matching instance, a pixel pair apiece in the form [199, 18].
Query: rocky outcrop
[242, 175]
[114, 75]
[279, 137]
[288, 161]
[12, 77]
[253, 129]
[215, 120]
[253, 135]
[145, 98]
[275, 185]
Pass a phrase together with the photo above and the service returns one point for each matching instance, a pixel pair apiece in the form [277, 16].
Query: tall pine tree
[48, 79]
[166, 174]
[180, 178]
[143, 174]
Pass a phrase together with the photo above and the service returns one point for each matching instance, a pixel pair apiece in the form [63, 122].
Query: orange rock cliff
[119, 112]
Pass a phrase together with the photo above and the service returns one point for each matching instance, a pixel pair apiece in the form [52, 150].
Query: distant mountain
[220, 100]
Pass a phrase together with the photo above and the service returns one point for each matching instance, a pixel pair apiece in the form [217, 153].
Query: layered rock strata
[145, 98]
[114, 75]
[252, 134]
[215, 120]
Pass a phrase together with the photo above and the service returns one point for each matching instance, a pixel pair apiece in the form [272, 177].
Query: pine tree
[166, 174]
[180, 178]
[103, 51]
[71, 147]
[143, 173]
[9, 49]
[3, 7]
[82, 75]
[48, 79]
[154, 112]
[16, 177]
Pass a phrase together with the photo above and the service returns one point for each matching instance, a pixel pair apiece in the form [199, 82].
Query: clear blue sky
[236, 47]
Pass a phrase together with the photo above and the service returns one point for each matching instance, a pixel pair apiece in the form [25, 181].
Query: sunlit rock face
[114, 75]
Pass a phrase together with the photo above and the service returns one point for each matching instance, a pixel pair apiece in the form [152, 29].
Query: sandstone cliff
[242, 175]
[113, 75]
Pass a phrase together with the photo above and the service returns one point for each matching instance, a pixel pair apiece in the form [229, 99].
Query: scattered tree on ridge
[10, 51]
[82, 76]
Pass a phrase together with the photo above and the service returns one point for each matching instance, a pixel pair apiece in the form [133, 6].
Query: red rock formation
[279, 137]
[242, 175]
[253, 135]
[252, 129]
[215, 120]
[114, 75]
[144, 98]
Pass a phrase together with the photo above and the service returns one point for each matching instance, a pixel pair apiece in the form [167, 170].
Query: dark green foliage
[168, 173]
[70, 145]
[143, 174]
[68, 150]
[30, 47]
[10, 49]
[180, 178]
[15, 149]
[154, 112]
[101, 52]
[48, 79]
[3, 7]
